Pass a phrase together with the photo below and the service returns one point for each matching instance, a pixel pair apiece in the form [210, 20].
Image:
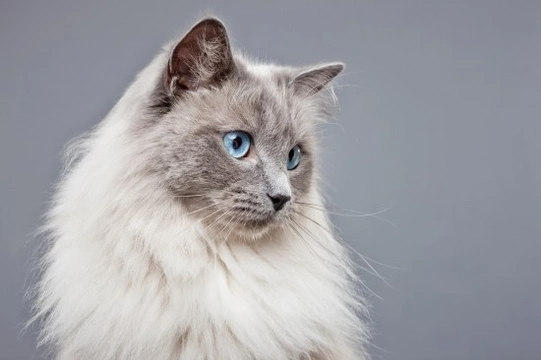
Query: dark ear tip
[212, 22]
[337, 67]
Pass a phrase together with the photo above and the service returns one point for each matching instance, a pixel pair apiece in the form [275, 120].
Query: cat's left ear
[202, 59]
[312, 80]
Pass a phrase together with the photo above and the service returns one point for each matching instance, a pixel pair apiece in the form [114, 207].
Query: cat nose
[278, 201]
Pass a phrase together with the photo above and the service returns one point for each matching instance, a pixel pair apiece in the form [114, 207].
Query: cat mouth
[258, 223]
[253, 228]
[242, 222]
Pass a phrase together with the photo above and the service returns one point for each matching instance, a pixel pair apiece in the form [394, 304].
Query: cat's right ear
[202, 59]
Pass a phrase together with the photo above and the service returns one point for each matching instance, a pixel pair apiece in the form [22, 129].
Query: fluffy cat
[189, 223]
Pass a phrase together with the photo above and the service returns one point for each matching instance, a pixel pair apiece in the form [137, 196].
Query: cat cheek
[301, 179]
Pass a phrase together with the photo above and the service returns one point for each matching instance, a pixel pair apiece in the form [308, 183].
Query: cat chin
[253, 232]
[248, 234]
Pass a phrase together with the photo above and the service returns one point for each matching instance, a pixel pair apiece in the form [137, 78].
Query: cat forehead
[257, 99]
[264, 98]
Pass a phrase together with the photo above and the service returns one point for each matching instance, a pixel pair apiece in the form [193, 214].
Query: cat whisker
[357, 265]
[210, 245]
[202, 219]
[314, 238]
[292, 227]
[330, 232]
[201, 209]
[358, 214]
[373, 271]
[228, 227]
[385, 265]
[313, 221]
[354, 214]
[189, 196]
[309, 233]
[206, 216]
[216, 220]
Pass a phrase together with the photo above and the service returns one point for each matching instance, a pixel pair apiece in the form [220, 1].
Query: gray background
[440, 120]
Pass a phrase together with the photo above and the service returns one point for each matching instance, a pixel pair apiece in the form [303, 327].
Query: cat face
[252, 188]
[236, 141]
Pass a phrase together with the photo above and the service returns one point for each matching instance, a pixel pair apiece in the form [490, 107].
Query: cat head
[235, 140]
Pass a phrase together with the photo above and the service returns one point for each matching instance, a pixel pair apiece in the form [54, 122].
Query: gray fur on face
[210, 94]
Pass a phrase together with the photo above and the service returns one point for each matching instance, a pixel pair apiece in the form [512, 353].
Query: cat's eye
[237, 143]
[294, 157]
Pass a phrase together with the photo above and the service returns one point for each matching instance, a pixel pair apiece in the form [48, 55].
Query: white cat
[189, 224]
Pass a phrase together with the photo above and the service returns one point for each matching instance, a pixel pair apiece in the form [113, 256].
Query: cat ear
[310, 81]
[202, 58]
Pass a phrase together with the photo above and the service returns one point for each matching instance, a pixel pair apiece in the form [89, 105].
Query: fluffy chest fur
[176, 296]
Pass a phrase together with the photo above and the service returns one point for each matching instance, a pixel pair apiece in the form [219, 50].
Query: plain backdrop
[438, 133]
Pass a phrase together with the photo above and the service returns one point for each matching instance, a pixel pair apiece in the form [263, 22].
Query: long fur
[128, 273]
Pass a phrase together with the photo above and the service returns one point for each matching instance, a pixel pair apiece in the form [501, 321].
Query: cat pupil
[291, 154]
[237, 143]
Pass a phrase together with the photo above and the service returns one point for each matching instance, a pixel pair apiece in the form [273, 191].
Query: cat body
[163, 246]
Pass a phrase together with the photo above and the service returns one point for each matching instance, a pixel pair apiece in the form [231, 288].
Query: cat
[189, 223]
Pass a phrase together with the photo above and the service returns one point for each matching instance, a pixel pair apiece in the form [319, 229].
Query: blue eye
[237, 143]
[294, 157]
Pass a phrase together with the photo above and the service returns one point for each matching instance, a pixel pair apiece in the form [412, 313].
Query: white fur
[125, 275]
